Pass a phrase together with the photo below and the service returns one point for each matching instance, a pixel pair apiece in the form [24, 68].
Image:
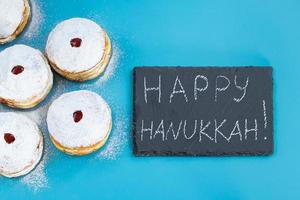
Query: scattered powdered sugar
[109, 71]
[37, 179]
[39, 114]
[37, 18]
[117, 139]
[112, 66]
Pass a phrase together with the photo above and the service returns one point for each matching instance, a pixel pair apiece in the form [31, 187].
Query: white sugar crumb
[109, 71]
[37, 18]
[117, 140]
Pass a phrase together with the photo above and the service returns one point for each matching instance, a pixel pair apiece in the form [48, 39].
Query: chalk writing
[158, 88]
[203, 111]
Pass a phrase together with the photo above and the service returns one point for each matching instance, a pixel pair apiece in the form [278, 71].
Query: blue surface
[210, 32]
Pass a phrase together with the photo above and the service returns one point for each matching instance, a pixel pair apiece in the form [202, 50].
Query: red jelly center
[75, 42]
[17, 70]
[9, 138]
[77, 116]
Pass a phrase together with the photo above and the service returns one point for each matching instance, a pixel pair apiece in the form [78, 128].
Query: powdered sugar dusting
[37, 17]
[112, 66]
[37, 179]
[109, 71]
[117, 140]
[39, 114]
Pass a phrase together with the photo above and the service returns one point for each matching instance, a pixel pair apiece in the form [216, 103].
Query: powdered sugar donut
[25, 77]
[14, 15]
[79, 122]
[21, 144]
[78, 49]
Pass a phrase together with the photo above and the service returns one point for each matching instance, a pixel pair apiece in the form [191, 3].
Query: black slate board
[218, 111]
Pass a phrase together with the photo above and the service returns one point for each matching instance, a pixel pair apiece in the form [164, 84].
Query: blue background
[199, 33]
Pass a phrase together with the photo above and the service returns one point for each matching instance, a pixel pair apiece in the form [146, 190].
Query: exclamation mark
[265, 116]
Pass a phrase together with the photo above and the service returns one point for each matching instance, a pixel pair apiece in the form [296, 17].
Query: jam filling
[17, 70]
[77, 116]
[9, 138]
[76, 42]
